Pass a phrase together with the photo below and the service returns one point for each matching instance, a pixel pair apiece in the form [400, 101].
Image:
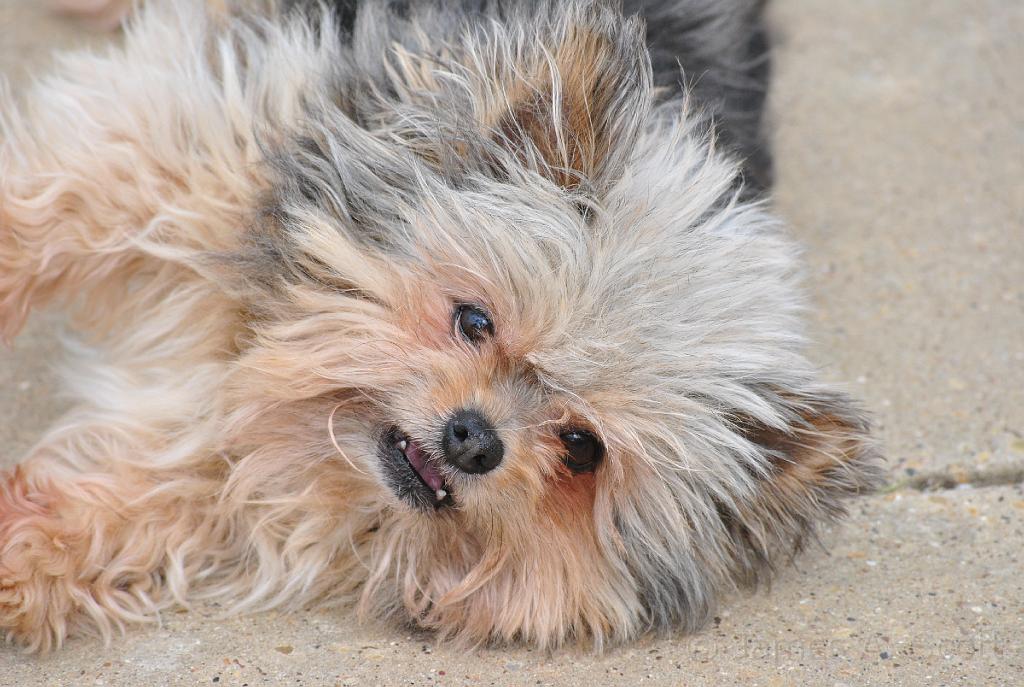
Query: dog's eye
[583, 451]
[473, 323]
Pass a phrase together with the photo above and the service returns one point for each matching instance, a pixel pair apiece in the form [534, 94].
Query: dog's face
[545, 367]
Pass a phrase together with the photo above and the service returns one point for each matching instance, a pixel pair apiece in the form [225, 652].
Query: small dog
[466, 312]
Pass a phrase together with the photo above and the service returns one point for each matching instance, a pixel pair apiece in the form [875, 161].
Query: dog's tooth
[440, 494]
[402, 444]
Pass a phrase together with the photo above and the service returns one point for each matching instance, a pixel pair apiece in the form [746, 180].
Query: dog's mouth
[411, 472]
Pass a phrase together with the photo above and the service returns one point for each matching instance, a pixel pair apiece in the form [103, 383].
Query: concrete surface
[900, 151]
[917, 589]
[899, 129]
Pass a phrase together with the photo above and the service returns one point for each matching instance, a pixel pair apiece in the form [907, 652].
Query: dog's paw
[67, 566]
[34, 594]
[37, 571]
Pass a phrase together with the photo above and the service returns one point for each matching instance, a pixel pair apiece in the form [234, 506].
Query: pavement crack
[953, 478]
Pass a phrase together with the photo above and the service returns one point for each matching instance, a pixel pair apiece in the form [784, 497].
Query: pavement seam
[957, 476]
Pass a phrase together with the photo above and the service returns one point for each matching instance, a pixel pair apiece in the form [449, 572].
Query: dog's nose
[471, 444]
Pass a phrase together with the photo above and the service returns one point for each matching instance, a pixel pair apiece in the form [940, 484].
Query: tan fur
[263, 255]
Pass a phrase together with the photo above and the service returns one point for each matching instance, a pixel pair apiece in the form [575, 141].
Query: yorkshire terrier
[468, 312]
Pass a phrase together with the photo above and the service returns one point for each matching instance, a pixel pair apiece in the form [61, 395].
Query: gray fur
[713, 51]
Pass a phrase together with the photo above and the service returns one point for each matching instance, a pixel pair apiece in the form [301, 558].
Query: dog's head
[523, 349]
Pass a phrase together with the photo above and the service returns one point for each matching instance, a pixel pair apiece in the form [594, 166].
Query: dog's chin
[412, 473]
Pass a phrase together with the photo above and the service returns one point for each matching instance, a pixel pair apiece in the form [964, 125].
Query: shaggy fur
[262, 221]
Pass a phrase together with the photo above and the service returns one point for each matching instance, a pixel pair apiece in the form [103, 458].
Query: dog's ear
[573, 110]
[823, 456]
[562, 95]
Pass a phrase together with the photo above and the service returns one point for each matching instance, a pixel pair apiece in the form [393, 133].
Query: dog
[469, 314]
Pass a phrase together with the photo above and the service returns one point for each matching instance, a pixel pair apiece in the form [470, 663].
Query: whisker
[334, 440]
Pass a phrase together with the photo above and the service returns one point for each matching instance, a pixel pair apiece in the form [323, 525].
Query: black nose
[471, 444]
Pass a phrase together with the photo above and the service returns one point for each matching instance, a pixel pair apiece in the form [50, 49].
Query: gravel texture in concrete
[899, 138]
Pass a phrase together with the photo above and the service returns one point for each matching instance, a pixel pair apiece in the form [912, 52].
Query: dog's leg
[88, 551]
[114, 514]
[120, 163]
[175, 481]
[147, 498]
[96, 191]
